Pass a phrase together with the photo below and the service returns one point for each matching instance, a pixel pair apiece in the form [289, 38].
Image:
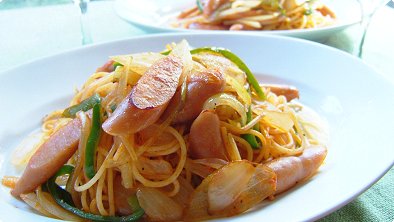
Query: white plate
[349, 94]
[154, 16]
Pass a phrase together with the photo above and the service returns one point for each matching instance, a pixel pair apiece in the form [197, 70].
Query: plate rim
[169, 34]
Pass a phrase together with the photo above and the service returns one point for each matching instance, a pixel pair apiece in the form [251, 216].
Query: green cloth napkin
[376, 204]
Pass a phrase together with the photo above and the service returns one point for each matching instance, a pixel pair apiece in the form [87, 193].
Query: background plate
[154, 16]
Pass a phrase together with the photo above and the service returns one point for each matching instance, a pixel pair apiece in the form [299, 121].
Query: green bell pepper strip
[85, 105]
[251, 139]
[92, 142]
[237, 61]
[116, 64]
[133, 203]
[199, 5]
[63, 198]
[166, 52]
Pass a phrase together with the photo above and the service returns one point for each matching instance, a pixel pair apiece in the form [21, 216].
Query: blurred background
[12, 4]
[60, 24]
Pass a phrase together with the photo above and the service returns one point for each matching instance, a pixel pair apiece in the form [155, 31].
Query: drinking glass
[84, 21]
[368, 9]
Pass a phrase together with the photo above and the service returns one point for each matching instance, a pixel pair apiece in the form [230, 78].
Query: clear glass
[353, 38]
[84, 21]
[368, 9]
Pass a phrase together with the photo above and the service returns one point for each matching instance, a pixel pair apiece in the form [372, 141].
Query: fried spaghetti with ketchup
[185, 134]
[236, 15]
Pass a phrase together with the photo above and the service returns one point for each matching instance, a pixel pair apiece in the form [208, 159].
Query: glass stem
[364, 25]
[84, 21]
[366, 21]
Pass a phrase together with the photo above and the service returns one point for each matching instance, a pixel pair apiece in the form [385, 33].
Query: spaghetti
[255, 15]
[168, 163]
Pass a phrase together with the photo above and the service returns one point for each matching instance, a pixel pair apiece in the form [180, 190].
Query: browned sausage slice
[107, 67]
[293, 169]
[205, 140]
[211, 5]
[290, 92]
[49, 157]
[200, 86]
[148, 99]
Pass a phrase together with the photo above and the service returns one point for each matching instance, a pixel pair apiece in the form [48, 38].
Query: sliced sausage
[148, 98]
[200, 86]
[211, 5]
[290, 92]
[49, 157]
[293, 169]
[107, 67]
[205, 140]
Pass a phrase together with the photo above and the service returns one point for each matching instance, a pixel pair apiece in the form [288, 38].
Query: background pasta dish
[255, 15]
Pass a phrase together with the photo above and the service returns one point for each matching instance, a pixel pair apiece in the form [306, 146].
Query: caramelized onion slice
[279, 120]
[227, 185]
[253, 184]
[262, 183]
[158, 206]
[140, 62]
[32, 201]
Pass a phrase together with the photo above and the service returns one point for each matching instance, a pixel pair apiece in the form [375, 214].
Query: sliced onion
[241, 91]
[127, 175]
[233, 11]
[261, 185]
[212, 162]
[227, 185]
[132, 77]
[185, 190]
[249, 4]
[182, 50]
[157, 205]
[224, 99]
[141, 61]
[25, 150]
[315, 127]
[48, 203]
[197, 208]
[200, 169]
[221, 63]
[256, 186]
[154, 167]
[32, 201]
[291, 4]
[278, 120]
